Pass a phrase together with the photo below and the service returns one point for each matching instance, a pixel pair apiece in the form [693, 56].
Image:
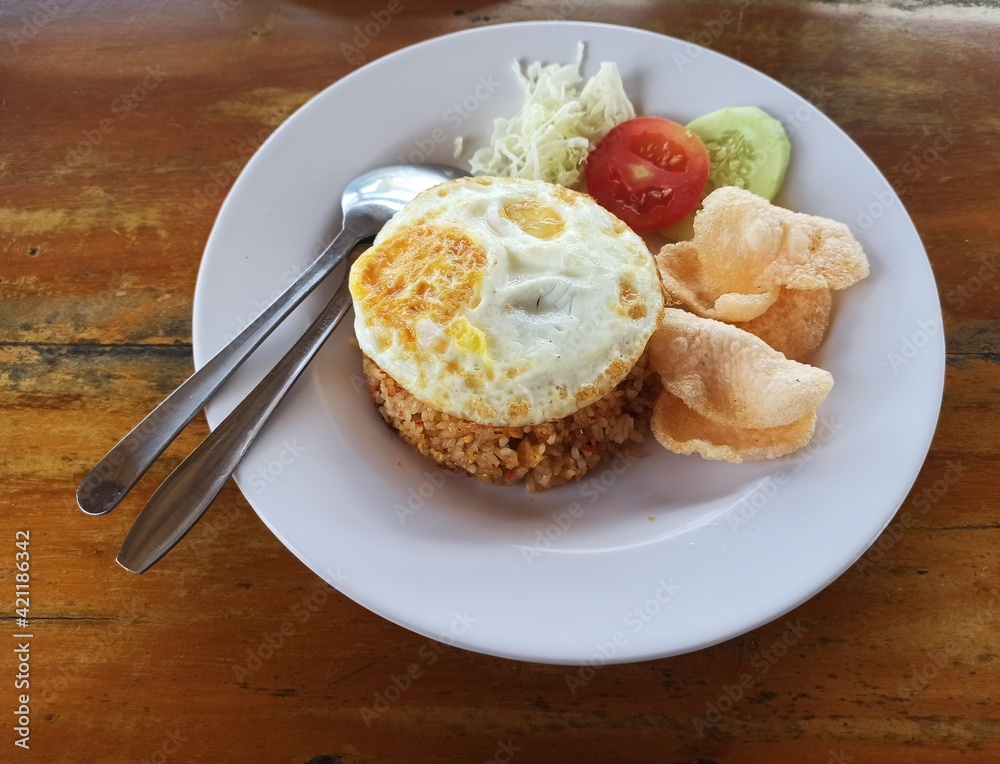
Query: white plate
[655, 558]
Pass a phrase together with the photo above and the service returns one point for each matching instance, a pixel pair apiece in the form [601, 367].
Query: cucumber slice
[747, 147]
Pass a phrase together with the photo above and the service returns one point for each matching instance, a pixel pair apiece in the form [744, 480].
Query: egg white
[555, 299]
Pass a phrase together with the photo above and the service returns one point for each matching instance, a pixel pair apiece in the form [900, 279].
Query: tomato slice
[648, 171]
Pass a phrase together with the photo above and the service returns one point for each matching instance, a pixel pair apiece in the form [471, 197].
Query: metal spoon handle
[189, 490]
[115, 475]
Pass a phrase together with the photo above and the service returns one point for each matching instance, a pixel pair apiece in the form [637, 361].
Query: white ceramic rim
[730, 547]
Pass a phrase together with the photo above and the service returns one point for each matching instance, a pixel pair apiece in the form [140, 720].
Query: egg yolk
[534, 218]
[468, 338]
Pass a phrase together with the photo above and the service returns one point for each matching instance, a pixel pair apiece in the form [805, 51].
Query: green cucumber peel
[747, 147]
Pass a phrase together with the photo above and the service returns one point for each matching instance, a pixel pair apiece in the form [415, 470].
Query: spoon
[192, 487]
[368, 202]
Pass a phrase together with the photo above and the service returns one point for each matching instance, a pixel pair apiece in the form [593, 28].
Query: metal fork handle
[189, 490]
[114, 476]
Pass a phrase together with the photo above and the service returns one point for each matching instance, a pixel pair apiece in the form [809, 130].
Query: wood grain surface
[122, 126]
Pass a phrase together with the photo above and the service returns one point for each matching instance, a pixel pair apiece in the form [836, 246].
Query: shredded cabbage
[558, 125]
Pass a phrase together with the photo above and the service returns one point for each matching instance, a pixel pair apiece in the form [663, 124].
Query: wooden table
[117, 117]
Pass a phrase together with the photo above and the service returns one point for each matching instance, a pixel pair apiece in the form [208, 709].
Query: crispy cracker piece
[731, 376]
[684, 283]
[796, 324]
[744, 249]
[684, 431]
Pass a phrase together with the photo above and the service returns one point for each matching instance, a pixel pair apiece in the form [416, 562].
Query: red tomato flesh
[648, 171]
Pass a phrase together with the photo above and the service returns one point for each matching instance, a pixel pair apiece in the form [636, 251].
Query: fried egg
[506, 302]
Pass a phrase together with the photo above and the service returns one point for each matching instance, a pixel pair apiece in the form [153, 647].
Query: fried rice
[542, 456]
